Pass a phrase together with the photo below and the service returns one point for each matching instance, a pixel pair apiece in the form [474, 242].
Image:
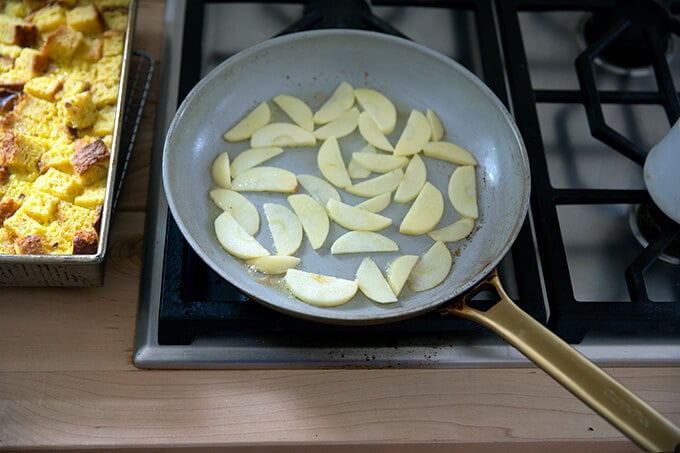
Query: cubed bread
[21, 225]
[10, 50]
[62, 43]
[86, 19]
[41, 206]
[85, 242]
[48, 17]
[45, 87]
[6, 243]
[59, 184]
[93, 196]
[17, 31]
[114, 42]
[78, 111]
[8, 206]
[58, 157]
[20, 153]
[74, 218]
[31, 63]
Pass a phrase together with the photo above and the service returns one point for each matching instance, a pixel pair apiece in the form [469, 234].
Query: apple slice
[252, 158]
[449, 152]
[413, 180]
[339, 127]
[380, 163]
[355, 170]
[331, 163]
[398, 272]
[425, 212]
[453, 232]
[253, 121]
[354, 218]
[436, 125]
[297, 110]
[220, 170]
[363, 242]
[375, 186]
[320, 290]
[463, 191]
[313, 217]
[320, 189]
[379, 107]
[340, 101]
[273, 264]
[282, 134]
[372, 133]
[372, 283]
[240, 207]
[285, 228]
[432, 268]
[377, 203]
[415, 135]
[235, 240]
[265, 179]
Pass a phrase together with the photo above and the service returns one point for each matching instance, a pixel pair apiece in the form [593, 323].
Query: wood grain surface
[67, 380]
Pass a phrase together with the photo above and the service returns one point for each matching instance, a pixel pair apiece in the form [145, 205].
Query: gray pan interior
[310, 65]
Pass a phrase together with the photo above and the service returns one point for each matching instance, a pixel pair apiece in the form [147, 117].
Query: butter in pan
[62, 87]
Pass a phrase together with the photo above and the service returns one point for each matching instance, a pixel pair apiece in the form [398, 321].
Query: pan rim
[327, 315]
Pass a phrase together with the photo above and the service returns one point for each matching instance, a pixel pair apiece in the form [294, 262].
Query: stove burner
[629, 51]
[648, 224]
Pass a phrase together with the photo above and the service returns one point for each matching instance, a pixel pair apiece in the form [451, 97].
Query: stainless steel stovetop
[599, 244]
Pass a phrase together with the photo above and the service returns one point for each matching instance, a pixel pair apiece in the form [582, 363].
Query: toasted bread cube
[17, 31]
[19, 152]
[90, 51]
[58, 157]
[61, 44]
[93, 195]
[85, 242]
[45, 87]
[31, 63]
[78, 111]
[48, 17]
[114, 42]
[72, 86]
[104, 93]
[9, 50]
[86, 19]
[6, 244]
[116, 18]
[17, 189]
[58, 240]
[59, 184]
[106, 117]
[8, 206]
[41, 206]
[21, 225]
[32, 244]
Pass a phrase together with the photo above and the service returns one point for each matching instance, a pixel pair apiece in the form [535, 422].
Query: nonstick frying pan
[310, 65]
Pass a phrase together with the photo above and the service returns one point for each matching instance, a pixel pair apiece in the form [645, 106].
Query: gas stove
[591, 85]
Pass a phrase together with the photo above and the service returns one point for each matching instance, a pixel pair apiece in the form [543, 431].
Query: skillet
[310, 65]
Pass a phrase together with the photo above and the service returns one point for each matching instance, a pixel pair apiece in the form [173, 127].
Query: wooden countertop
[67, 379]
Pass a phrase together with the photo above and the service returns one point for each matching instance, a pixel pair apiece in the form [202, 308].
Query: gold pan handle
[606, 396]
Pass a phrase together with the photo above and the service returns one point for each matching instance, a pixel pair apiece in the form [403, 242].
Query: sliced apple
[297, 110]
[235, 240]
[432, 268]
[354, 218]
[463, 191]
[379, 106]
[339, 127]
[285, 228]
[425, 212]
[355, 170]
[398, 272]
[435, 125]
[283, 135]
[363, 242]
[377, 203]
[252, 122]
[415, 135]
[413, 180]
[331, 164]
[380, 163]
[340, 101]
[375, 186]
[220, 170]
[313, 217]
[449, 152]
[320, 189]
[455, 231]
[240, 207]
[372, 283]
[372, 133]
[252, 158]
[320, 290]
[273, 264]
[265, 179]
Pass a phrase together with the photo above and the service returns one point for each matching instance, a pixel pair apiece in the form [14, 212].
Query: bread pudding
[60, 71]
